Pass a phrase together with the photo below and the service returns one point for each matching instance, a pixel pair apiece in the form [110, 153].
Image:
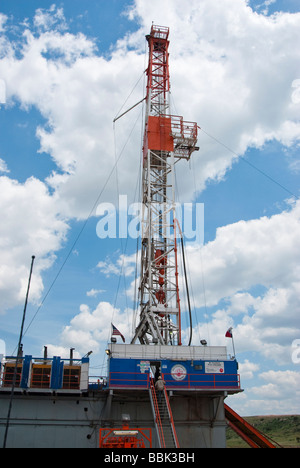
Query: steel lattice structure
[167, 139]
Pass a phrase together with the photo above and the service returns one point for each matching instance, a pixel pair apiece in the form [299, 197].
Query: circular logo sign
[178, 372]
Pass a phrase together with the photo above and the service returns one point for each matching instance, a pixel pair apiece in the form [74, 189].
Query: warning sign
[214, 367]
[144, 366]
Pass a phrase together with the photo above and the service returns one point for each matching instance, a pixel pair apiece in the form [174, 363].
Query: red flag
[116, 332]
[229, 333]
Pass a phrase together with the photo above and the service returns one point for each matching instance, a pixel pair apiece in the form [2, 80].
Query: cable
[81, 230]
[250, 164]
[187, 293]
[204, 294]
[124, 250]
[118, 116]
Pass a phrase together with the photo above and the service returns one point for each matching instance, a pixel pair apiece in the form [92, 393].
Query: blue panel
[25, 371]
[56, 373]
[53, 373]
[60, 374]
[128, 373]
[192, 374]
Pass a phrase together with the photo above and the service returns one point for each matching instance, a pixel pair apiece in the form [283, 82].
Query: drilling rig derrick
[167, 139]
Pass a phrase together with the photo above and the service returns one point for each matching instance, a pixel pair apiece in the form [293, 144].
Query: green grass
[285, 430]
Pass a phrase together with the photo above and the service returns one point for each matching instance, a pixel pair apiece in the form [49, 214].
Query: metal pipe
[128, 110]
[71, 355]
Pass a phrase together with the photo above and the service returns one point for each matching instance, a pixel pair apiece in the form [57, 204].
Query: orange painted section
[159, 134]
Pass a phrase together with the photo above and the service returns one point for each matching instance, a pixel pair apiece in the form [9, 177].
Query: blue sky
[68, 67]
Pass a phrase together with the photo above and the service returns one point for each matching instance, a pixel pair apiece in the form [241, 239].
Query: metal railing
[7, 376]
[171, 417]
[189, 382]
[209, 381]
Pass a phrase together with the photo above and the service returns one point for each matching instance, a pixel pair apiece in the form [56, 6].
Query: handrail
[171, 418]
[211, 381]
[6, 379]
[108, 440]
[157, 414]
[182, 129]
[191, 381]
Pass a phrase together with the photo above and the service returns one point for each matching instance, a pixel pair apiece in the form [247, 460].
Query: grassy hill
[285, 430]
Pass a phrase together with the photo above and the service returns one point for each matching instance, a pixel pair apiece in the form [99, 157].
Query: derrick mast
[167, 139]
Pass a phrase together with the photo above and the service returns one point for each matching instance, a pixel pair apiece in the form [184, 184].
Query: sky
[67, 69]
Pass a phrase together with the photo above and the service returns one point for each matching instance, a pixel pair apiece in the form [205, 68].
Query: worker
[157, 372]
[159, 386]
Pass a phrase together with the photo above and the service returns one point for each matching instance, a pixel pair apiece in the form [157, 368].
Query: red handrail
[157, 414]
[171, 418]
[8, 377]
[228, 381]
[108, 440]
[192, 383]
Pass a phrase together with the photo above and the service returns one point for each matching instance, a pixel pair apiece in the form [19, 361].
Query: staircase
[163, 418]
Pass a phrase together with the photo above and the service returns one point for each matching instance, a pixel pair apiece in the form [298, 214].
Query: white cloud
[108, 268]
[247, 369]
[296, 92]
[261, 251]
[2, 92]
[94, 292]
[31, 226]
[46, 20]
[280, 385]
[237, 66]
[3, 20]
[3, 166]
[240, 303]
[62, 351]
[91, 329]
[2, 348]
[125, 264]
[79, 93]
[278, 395]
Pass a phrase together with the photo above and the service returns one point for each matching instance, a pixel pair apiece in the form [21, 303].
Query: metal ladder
[163, 418]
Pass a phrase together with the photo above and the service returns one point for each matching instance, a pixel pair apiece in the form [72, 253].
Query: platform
[183, 368]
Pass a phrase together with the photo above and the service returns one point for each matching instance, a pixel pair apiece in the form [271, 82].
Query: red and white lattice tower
[167, 139]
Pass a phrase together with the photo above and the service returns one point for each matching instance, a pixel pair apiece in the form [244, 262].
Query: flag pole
[233, 345]
[229, 334]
